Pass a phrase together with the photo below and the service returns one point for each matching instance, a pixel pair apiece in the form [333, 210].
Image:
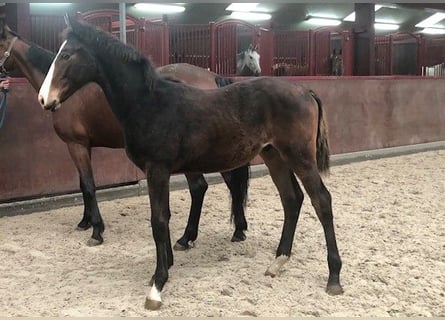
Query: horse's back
[190, 74]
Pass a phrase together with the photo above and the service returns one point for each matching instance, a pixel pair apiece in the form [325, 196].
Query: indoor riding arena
[386, 129]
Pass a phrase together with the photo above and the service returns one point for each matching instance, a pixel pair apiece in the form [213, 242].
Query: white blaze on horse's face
[253, 61]
[44, 93]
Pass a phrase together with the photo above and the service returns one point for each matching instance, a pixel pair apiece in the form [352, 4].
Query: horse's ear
[67, 20]
[2, 25]
[255, 48]
[250, 47]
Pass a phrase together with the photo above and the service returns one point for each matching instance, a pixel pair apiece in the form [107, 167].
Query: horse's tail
[238, 183]
[223, 81]
[322, 138]
[239, 178]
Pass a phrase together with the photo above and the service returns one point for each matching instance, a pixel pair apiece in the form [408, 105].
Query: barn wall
[371, 113]
[363, 113]
[34, 161]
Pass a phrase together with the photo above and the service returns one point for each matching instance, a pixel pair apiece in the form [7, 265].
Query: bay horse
[171, 128]
[248, 62]
[86, 121]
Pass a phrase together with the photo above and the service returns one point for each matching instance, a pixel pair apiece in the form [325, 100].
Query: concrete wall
[363, 113]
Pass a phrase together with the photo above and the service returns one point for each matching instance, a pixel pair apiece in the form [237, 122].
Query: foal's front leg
[158, 189]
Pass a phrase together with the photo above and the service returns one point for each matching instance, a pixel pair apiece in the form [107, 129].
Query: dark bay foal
[171, 128]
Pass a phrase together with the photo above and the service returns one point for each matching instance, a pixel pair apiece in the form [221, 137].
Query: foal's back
[214, 130]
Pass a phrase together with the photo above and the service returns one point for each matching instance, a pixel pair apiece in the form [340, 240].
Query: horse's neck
[19, 54]
[245, 71]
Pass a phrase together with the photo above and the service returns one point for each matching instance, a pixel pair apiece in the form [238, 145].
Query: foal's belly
[221, 160]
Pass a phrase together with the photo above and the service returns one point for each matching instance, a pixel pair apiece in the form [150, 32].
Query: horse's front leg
[81, 156]
[198, 187]
[158, 189]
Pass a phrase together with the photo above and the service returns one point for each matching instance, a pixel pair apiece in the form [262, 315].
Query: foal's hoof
[238, 236]
[152, 304]
[334, 289]
[94, 242]
[183, 247]
[270, 273]
[275, 268]
[82, 226]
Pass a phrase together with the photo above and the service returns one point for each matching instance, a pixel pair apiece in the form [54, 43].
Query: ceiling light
[49, 4]
[433, 30]
[242, 6]
[159, 8]
[351, 16]
[431, 20]
[386, 26]
[323, 21]
[250, 15]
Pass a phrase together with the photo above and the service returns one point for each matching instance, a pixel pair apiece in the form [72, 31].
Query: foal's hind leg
[291, 199]
[237, 181]
[198, 187]
[91, 215]
[321, 201]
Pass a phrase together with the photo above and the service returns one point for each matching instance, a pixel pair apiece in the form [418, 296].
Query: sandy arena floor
[389, 218]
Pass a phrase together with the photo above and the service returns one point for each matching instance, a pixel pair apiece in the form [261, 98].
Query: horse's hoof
[334, 289]
[94, 242]
[152, 304]
[180, 247]
[238, 236]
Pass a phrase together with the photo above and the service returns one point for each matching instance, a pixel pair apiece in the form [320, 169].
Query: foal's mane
[103, 41]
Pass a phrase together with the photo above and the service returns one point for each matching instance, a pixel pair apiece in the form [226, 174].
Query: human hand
[4, 84]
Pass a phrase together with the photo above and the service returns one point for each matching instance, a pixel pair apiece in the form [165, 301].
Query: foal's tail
[322, 138]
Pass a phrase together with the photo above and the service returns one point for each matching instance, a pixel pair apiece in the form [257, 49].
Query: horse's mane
[37, 56]
[105, 42]
[40, 58]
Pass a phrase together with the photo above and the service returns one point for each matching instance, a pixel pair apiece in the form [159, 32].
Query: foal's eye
[64, 56]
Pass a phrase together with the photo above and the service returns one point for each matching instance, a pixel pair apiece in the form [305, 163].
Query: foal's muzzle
[50, 106]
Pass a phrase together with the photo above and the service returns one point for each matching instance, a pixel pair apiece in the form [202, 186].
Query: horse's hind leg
[91, 215]
[321, 201]
[198, 187]
[237, 181]
[291, 199]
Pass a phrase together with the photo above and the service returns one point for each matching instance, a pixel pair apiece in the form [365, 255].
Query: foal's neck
[127, 85]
